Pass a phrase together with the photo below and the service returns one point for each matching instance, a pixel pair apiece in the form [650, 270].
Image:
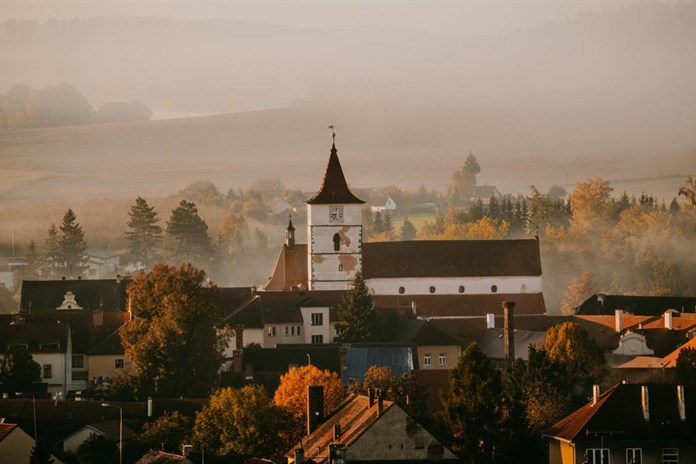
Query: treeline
[61, 105]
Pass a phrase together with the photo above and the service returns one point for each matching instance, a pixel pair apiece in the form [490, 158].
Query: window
[461, 289]
[670, 456]
[287, 331]
[92, 272]
[337, 242]
[442, 359]
[78, 361]
[317, 339]
[298, 330]
[292, 330]
[523, 289]
[597, 456]
[494, 288]
[80, 375]
[340, 268]
[47, 371]
[427, 360]
[118, 363]
[432, 289]
[402, 290]
[272, 331]
[317, 319]
[634, 456]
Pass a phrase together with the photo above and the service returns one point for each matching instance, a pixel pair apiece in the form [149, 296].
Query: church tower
[334, 235]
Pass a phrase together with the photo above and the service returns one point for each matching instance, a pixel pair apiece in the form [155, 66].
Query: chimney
[337, 432]
[239, 337]
[97, 318]
[370, 397]
[118, 278]
[490, 321]
[149, 406]
[668, 319]
[380, 404]
[619, 320]
[315, 407]
[645, 401]
[595, 394]
[237, 359]
[299, 456]
[509, 331]
[681, 402]
[414, 308]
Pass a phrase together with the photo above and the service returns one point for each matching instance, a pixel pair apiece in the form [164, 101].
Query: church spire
[334, 188]
[290, 235]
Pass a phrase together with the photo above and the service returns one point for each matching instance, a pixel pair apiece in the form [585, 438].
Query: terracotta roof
[47, 295]
[160, 457]
[451, 258]
[334, 188]
[354, 417]
[671, 359]
[636, 304]
[6, 429]
[619, 409]
[290, 270]
[464, 305]
[634, 362]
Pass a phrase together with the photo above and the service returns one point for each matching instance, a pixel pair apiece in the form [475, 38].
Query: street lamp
[33, 403]
[120, 430]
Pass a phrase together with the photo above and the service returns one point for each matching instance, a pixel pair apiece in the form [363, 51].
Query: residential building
[381, 204]
[108, 429]
[16, 445]
[101, 263]
[639, 305]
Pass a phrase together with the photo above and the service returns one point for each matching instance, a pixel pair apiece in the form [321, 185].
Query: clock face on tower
[336, 214]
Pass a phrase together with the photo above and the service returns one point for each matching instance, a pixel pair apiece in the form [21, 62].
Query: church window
[337, 242]
[402, 290]
[461, 289]
[340, 268]
[494, 288]
[432, 289]
[523, 289]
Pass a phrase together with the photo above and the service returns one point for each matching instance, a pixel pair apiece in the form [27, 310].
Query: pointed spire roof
[290, 227]
[334, 188]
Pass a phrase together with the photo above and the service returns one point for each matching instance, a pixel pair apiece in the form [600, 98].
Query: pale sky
[451, 17]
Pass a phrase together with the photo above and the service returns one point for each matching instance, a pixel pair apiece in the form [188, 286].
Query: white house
[381, 204]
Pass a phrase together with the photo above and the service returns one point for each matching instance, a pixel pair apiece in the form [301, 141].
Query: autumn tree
[591, 203]
[187, 237]
[463, 181]
[171, 340]
[291, 394]
[144, 235]
[688, 191]
[232, 234]
[18, 370]
[569, 345]
[202, 192]
[71, 244]
[401, 389]
[578, 291]
[685, 371]
[97, 449]
[357, 314]
[408, 230]
[242, 421]
[474, 421]
[168, 432]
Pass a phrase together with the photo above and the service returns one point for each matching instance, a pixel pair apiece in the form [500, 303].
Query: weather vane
[333, 133]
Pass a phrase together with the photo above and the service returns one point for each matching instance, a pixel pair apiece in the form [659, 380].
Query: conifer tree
[32, 268]
[71, 244]
[145, 235]
[408, 230]
[40, 453]
[388, 225]
[187, 237]
[357, 314]
[50, 256]
[378, 224]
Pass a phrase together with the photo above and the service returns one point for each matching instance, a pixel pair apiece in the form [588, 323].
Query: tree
[172, 341]
[187, 237]
[357, 314]
[97, 449]
[202, 192]
[569, 345]
[123, 111]
[402, 389]
[291, 394]
[578, 291]
[473, 419]
[18, 370]
[461, 187]
[688, 190]
[51, 253]
[58, 105]
[231, 234]
[145, 235]
[591, 203]
[388, 225]
[408, 230]
[41, 453]
[377, 224]
[242, 421]
[685, 371]
[32, 269]
[168, 432]
[71, 244]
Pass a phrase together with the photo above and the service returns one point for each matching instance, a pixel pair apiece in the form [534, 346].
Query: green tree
[472, 418]
[145, 235]
[41, 453]
[71, 244]
[357, 314]
[169, 432]
[187, 237]
[50, 258]
[388, 225]
[172, 341]
[32, 269]
[461, 187]
[242, 421]
[685, 371]
[403, 389]
[377, 224]
[18, 370]
[58, 105]
[97, 449]
[202, 192]
[408, 230]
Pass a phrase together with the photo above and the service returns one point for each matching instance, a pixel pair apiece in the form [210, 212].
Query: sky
[448, 17]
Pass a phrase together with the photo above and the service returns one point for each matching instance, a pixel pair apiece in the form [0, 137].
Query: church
[437, 278]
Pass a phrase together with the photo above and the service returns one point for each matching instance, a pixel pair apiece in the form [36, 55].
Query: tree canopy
[144, 235]
[18, 370]
[187, 238]
[172, 341]
[685, 371]
[357, 314]
[71, 244]
[169, 432]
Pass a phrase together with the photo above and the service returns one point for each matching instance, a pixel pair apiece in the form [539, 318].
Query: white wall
[57, 382]
[327, 329]
[450, 285]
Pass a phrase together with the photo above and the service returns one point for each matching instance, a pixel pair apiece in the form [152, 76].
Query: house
[629, 423]
[278, 206]
[109, 429]
[160, 457]
[367, 428]
[402, 270]
[434, 348]
[91, 295]
[16, 445]
[484, 192]
[381, 204]
[360, 357]
[101, 263]
[601, 304]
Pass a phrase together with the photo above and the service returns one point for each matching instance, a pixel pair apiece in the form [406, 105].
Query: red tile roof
[334, 188]
[290, 269]
[160, 457]
[671, 359]
[6, 429]
[464, 305]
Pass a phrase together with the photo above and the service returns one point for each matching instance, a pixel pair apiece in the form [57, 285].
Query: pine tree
[145, 235]
[50, 256]
[71, 243]
[408, 230]
[377, 224]
[40, 453]
[187, 237]
[357, 314]
[32, 268]
[388, 225]
[493, 208]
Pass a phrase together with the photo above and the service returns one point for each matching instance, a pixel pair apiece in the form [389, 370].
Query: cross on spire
[333, 134]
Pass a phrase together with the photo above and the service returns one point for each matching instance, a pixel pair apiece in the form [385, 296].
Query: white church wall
[451, 285]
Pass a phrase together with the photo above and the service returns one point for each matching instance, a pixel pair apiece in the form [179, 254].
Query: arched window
[340, 267]
[337, 242]
[523, 289]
